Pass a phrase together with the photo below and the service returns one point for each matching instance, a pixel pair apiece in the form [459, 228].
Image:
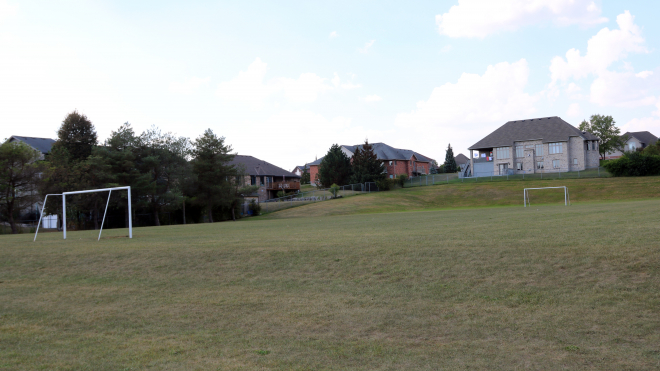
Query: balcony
[482, 159]
[286, 186]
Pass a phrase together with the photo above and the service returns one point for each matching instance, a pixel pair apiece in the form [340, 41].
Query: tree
[603, 127]
[450, 162]
[211, 165]
[434, 167]
[305, 178]
[366, 166]
[19, 175]
[161, 160]
[77, 135]
[335, 168]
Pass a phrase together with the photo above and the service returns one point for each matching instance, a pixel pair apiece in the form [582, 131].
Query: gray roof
[384, 153]
[301, 167]
[546, 129]
[643, 136]
[461, 159]
[42, 145]
[254, 166]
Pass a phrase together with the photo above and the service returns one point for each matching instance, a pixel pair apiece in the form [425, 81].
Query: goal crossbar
[526, 202]
[109, 190]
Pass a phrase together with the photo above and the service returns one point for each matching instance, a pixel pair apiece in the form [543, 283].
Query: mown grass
[548, 287]
[481, 194]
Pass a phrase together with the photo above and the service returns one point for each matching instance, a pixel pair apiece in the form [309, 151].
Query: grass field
[481, 194]
[547, 287]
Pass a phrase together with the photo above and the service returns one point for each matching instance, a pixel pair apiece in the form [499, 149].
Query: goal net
[109, 190]
[567, 200]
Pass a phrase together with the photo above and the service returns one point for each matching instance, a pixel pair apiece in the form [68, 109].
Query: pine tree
[450, 162]
[211, 165]
[335, 168]
[366, 166]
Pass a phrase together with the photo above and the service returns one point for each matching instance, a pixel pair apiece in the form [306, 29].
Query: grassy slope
[547, 288]
[484, 194]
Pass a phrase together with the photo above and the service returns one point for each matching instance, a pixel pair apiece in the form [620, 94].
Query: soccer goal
[567, 200]
[109, 190]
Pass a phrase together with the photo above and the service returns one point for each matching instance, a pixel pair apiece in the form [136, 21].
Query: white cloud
[603, 49]
[188, 86]
[336, 81]
[473, 105]
[651, 124]
[573, 110]
[479, 18]
[7, 10]
[623, 89]
[333, 34]
[644, 74]
[367, 46]
[372, 98]
[250, 88]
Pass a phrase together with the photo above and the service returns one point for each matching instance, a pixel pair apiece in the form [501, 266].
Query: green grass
[548, 287]
[481, 194]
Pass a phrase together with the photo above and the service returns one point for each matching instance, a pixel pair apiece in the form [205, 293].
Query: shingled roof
[255, 166]
[546, 129]
[384, 153]
[461, 159]
[643, 136]
[42, 145]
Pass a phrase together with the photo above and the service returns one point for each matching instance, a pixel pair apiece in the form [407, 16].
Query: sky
[283, 81]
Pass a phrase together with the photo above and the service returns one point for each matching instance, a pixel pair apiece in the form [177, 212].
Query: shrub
[255, 208]
[334, 189]
[401, 179]
[384, 184]
[634, 164]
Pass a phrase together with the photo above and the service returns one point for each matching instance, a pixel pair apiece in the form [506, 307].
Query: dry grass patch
[502, 288]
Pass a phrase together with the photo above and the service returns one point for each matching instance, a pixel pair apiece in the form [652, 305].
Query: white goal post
[109, 190]
[567, 200]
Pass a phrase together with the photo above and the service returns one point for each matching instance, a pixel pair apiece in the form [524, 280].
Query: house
[43, 145]
[547, 144]
[633, 141]
[396, 161]
[270, 178]
[461, 159]
[299, 170]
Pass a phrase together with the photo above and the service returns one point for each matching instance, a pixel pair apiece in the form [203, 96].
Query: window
[503, 168]
[555, 148]
[502, 152]
[394, 162]
[556, 164]
[519, 151]
[539, 149]
[539, 164]
[519, 166]
[391, 176]
[575, 161]
[253, 180]
[390, 163]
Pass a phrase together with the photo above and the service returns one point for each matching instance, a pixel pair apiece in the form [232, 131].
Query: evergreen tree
[211, 157]
[335, 168]
[305, 177]
[366, 166]
[77, 135]
[450, 162]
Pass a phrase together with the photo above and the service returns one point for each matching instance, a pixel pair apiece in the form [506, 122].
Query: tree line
[166, 173]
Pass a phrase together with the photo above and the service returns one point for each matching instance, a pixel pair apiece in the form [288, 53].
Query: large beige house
[547, 144]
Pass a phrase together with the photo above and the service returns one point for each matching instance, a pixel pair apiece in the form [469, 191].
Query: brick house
[396, 161]
[633, 141]
[547, 144]
[270, 178]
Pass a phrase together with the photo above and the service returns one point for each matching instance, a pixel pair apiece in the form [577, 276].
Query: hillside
[484, 194]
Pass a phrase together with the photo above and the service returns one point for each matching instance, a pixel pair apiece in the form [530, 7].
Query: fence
[317, 195]
[599, 172]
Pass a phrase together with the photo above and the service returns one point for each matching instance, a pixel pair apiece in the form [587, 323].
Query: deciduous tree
[20, 166]
[603, 127]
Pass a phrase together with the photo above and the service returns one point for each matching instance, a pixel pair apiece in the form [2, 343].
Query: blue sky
[282, 81]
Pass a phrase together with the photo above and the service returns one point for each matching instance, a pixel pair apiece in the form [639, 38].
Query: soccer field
[546, 287]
